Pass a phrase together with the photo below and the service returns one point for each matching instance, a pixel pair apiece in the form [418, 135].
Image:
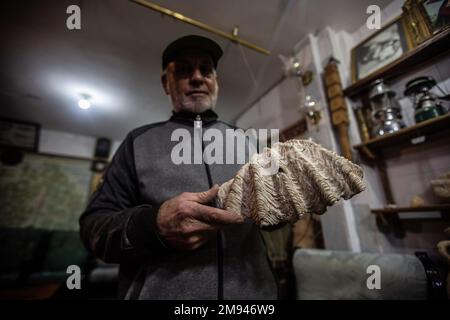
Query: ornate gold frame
[417, 21]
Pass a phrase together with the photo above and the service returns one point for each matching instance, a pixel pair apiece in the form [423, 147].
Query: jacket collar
[208, 116]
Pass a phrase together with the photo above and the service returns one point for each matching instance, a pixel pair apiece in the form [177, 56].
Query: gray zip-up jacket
[119, 224]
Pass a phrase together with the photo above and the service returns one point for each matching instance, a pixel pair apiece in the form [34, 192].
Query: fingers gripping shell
[308, 180]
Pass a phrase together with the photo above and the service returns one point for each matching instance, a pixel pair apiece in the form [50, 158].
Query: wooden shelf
[436, 127]
[437, 207]
[433, 48]
[423, 136]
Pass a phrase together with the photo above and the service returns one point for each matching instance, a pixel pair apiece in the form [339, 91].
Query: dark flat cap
[191, 42]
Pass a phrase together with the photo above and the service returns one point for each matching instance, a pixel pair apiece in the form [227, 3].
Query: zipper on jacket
[198, 127]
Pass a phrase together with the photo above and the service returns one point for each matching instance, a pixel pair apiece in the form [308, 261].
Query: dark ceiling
[115, 57]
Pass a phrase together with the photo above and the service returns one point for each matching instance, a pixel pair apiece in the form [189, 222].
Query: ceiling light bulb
[84, 104]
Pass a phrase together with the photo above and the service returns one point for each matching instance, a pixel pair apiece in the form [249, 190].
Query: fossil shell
[309, 178]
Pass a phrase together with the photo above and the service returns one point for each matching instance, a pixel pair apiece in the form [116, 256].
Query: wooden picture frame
[436, 14]
[416, 21]
[19, 134]
[381, 49]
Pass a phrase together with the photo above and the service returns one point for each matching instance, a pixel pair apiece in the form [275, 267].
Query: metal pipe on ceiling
[230, 36]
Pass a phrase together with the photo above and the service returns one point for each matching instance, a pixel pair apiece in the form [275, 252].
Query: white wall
[278, 109]
[69, 144]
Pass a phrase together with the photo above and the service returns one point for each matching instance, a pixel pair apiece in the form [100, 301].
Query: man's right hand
[186, 223]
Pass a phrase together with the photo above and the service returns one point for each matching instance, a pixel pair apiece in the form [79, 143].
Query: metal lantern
[425, 103]
[386, 111]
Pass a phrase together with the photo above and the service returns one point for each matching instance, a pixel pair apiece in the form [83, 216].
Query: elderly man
[156, 218]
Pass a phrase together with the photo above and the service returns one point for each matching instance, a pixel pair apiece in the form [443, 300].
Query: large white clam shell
[309, 179]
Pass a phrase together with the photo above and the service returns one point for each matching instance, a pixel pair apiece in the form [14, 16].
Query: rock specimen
[309, 178]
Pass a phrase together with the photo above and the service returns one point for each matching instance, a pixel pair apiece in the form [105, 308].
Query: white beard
[194, 106]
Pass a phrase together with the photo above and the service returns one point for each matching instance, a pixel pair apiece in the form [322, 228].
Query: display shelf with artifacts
[385, 136]
[381, 113]
[431, 133]
[430, 50]
[426, 131]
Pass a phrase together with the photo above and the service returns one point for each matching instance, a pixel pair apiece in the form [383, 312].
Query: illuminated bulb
[84, 104]
[310, 102]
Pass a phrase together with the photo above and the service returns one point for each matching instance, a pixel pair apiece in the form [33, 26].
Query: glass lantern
[386, 111]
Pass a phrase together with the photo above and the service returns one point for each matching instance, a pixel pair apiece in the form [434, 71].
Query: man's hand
[186, 223]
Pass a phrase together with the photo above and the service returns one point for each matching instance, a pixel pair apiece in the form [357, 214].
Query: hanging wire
[247, 65]
[286, 11]
[303, 7]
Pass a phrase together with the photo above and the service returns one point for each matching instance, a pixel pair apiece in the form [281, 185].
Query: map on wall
[44, 192]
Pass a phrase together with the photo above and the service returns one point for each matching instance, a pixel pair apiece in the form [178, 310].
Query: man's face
[191, 82]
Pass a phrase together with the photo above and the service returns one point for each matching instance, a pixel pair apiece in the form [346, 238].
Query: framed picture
[19, 134]
[437, 13]
[380, 49]
[416, 21]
